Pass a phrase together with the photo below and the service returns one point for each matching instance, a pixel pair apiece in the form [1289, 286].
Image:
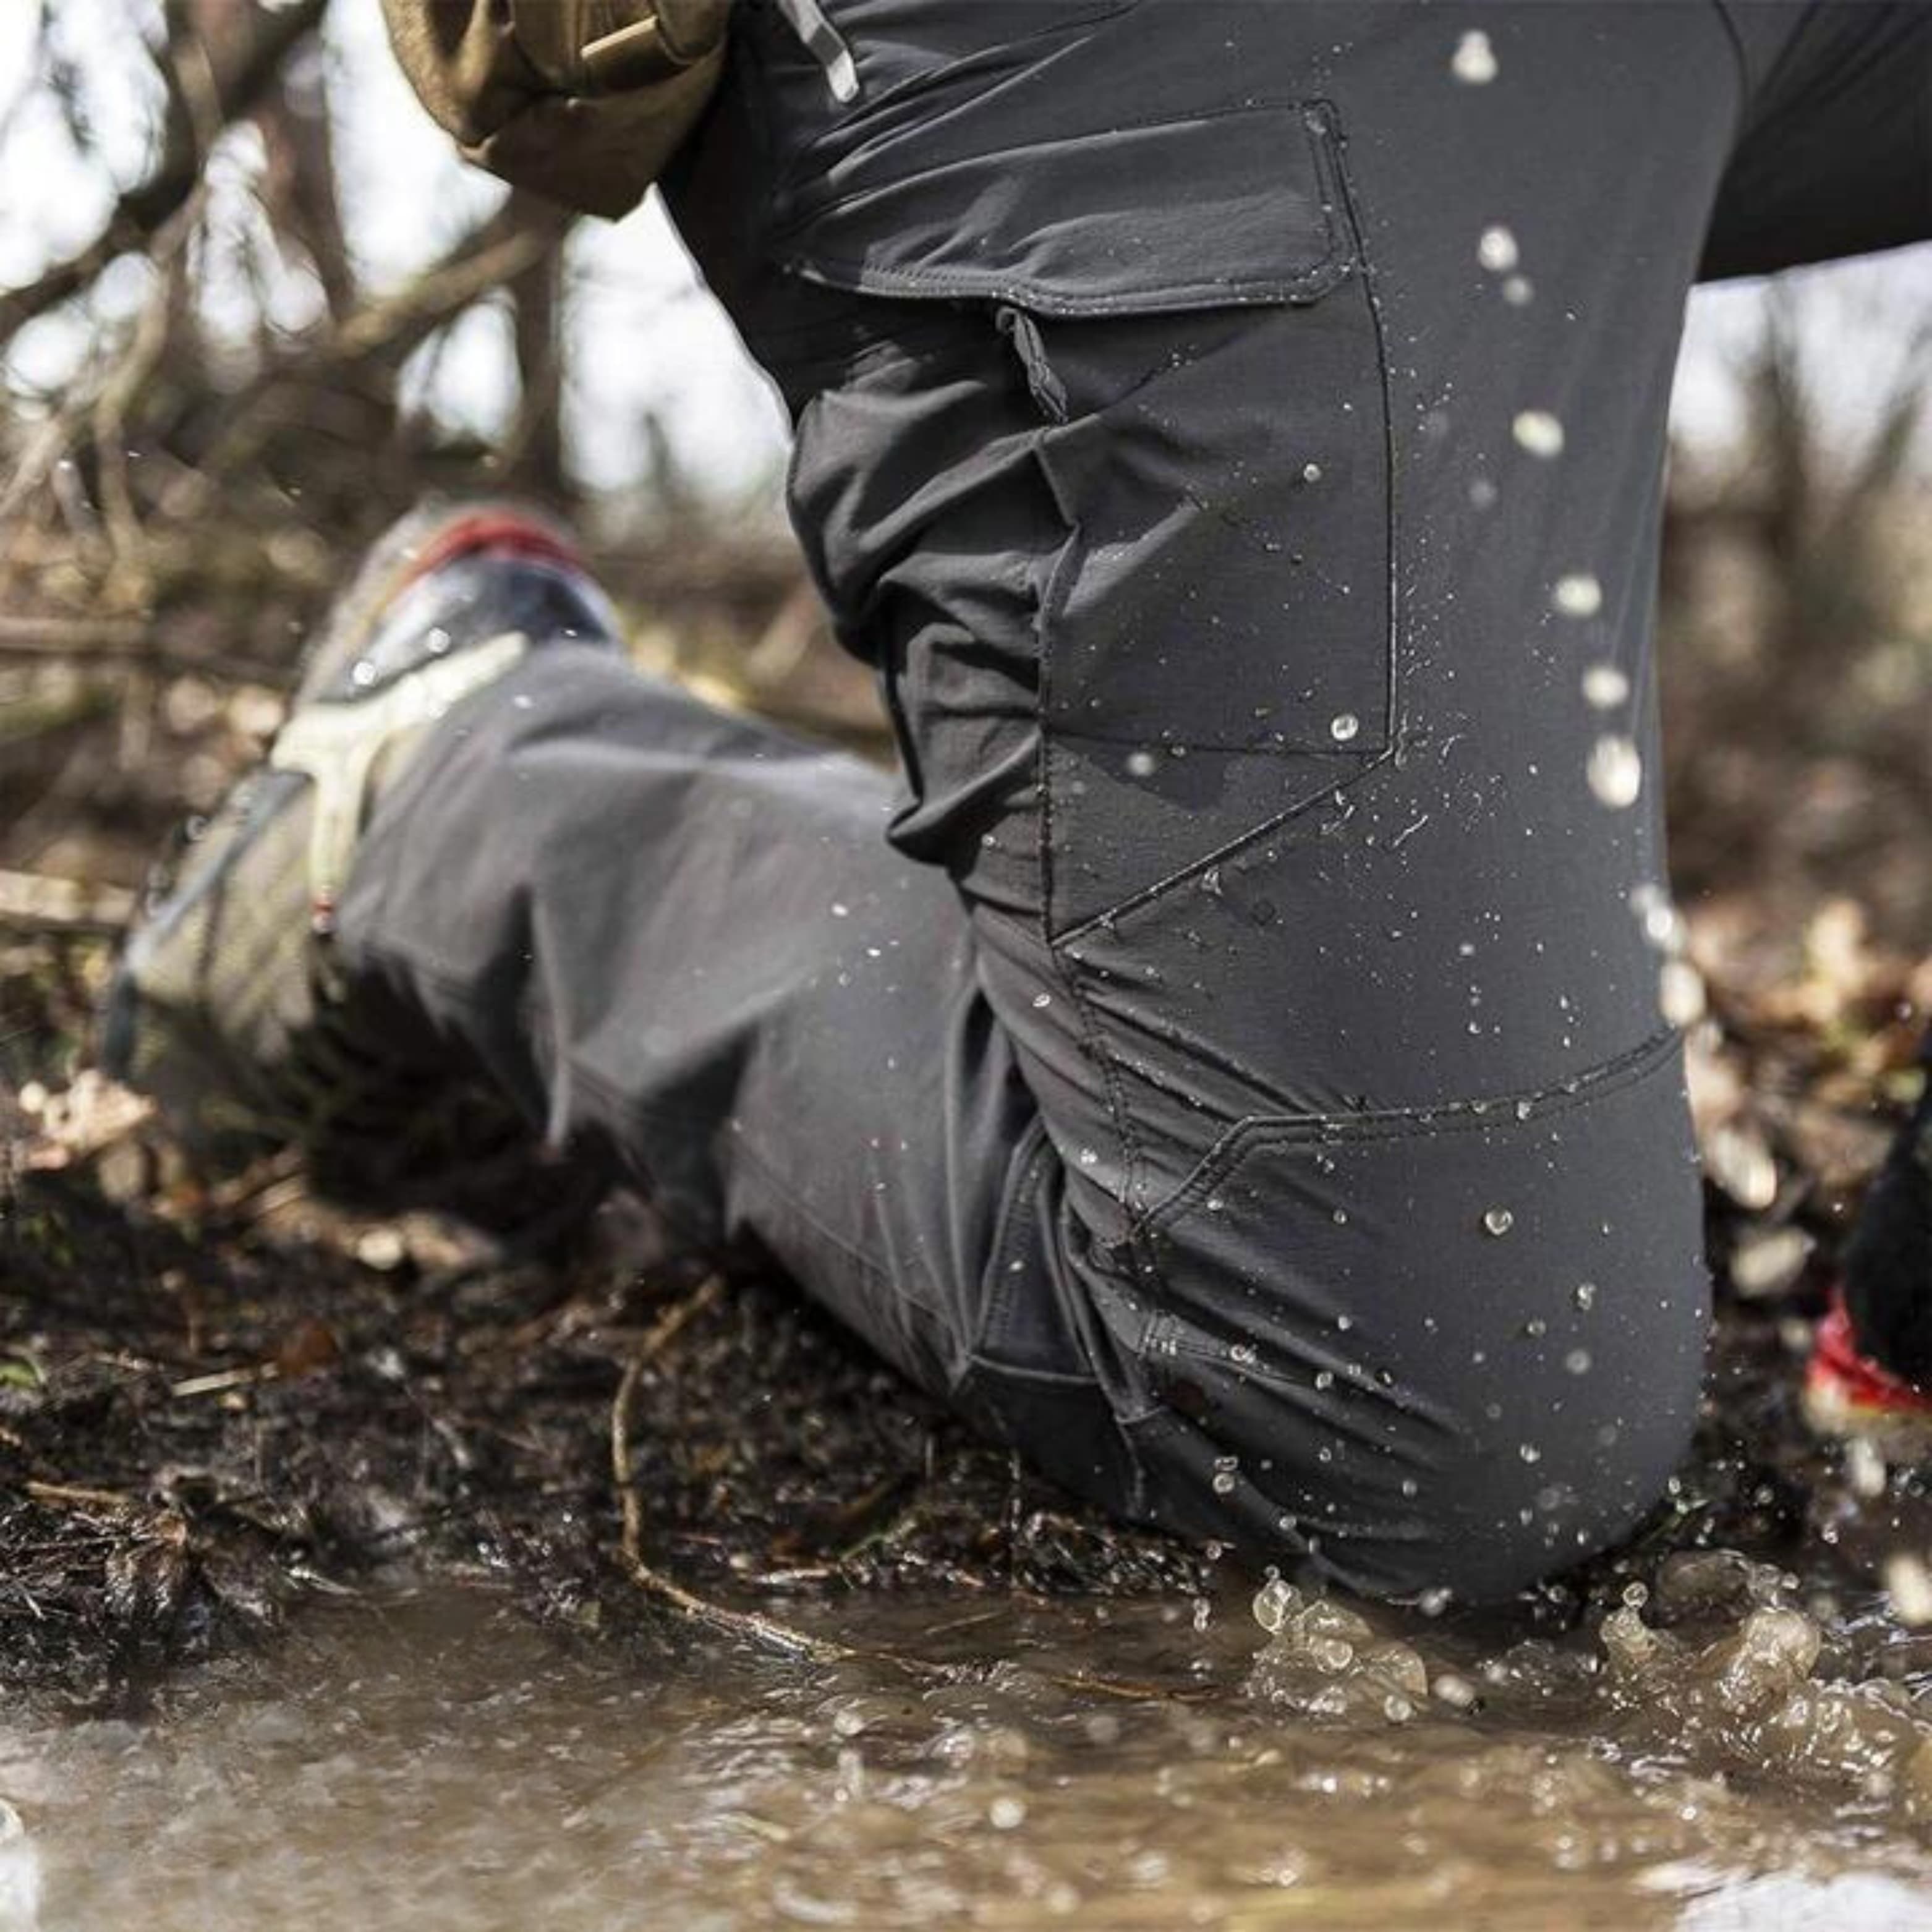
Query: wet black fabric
[1226, 1059]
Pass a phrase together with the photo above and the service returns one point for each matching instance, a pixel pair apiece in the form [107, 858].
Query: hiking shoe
[229, 1006]
[1847, 1393]
[1871, 1372]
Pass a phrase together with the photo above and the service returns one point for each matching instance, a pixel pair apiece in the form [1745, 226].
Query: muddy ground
[220, 1399]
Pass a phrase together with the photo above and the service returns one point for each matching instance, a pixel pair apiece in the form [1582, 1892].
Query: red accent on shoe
[499, 532]
[1852, 1383]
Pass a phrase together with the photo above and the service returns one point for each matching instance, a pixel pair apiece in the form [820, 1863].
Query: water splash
[1538, 432]
[1615, 771]
[1473, 62]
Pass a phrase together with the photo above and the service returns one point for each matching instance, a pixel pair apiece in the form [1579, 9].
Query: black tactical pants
[1228, 1060]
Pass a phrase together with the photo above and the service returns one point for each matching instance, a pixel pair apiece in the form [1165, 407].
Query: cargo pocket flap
[1065, 226]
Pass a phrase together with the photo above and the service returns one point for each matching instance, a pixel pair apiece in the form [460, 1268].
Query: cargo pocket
[1187, 307]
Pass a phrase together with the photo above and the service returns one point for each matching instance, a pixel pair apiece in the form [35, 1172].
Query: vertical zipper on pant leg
[825, 44]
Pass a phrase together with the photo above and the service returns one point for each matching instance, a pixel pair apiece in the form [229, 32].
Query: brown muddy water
[1716, 1758]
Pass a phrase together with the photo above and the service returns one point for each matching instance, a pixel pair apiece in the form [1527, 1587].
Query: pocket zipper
[825, 44]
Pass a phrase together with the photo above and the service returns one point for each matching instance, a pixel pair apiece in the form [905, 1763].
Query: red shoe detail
[1848, 1393]
[498, 532]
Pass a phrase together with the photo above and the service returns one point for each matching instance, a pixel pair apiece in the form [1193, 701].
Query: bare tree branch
[241, 75]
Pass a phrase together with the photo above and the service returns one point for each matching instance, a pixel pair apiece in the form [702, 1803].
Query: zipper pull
[825, 44]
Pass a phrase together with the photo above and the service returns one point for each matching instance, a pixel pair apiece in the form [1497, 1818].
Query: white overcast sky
[650, 339]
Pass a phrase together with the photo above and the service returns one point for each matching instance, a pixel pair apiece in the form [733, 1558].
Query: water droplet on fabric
[1473, 62]
[1539, 432]
[1497, 250]
[1344, 727]
[1605, 687]
[1579, 595]
[1498, 1220]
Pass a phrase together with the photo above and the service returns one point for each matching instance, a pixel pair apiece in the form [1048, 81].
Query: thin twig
[752, 1625]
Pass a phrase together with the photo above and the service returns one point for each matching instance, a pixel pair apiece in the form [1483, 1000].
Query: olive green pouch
[583, 101]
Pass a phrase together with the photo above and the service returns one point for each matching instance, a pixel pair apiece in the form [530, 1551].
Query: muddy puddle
[1714, 1758]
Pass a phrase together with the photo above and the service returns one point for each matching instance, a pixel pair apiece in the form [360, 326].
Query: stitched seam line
[1337, 158]
[780, 236]
[1023, 292]
[1134, 901]
[1449, 1117]
[1722, 10]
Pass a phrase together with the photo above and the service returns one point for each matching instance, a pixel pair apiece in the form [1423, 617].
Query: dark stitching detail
[869, 278]
[1224, 1159]
[1134, 901]
[1391, 665]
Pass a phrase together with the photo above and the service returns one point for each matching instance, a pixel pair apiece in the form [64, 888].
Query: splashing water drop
[1518, 291]
[1497, 250]
[1577, 1361]
[1474, 63]
[1909, 1584]
[1539, 432]
[1585, 1296]
[1579, 595]
[1605, 687]
[1141, 764]
[1273, 1603]
[1681, 994]
[1615, 772]
[1865, 1468]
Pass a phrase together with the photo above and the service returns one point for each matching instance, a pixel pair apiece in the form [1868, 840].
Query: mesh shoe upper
[228, 1007]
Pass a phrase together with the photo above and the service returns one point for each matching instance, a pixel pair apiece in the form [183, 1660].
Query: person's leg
[1235, 432]
[1834, 149]
[1834, 158]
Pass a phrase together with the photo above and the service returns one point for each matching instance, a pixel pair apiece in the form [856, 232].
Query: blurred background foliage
[250, 306]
